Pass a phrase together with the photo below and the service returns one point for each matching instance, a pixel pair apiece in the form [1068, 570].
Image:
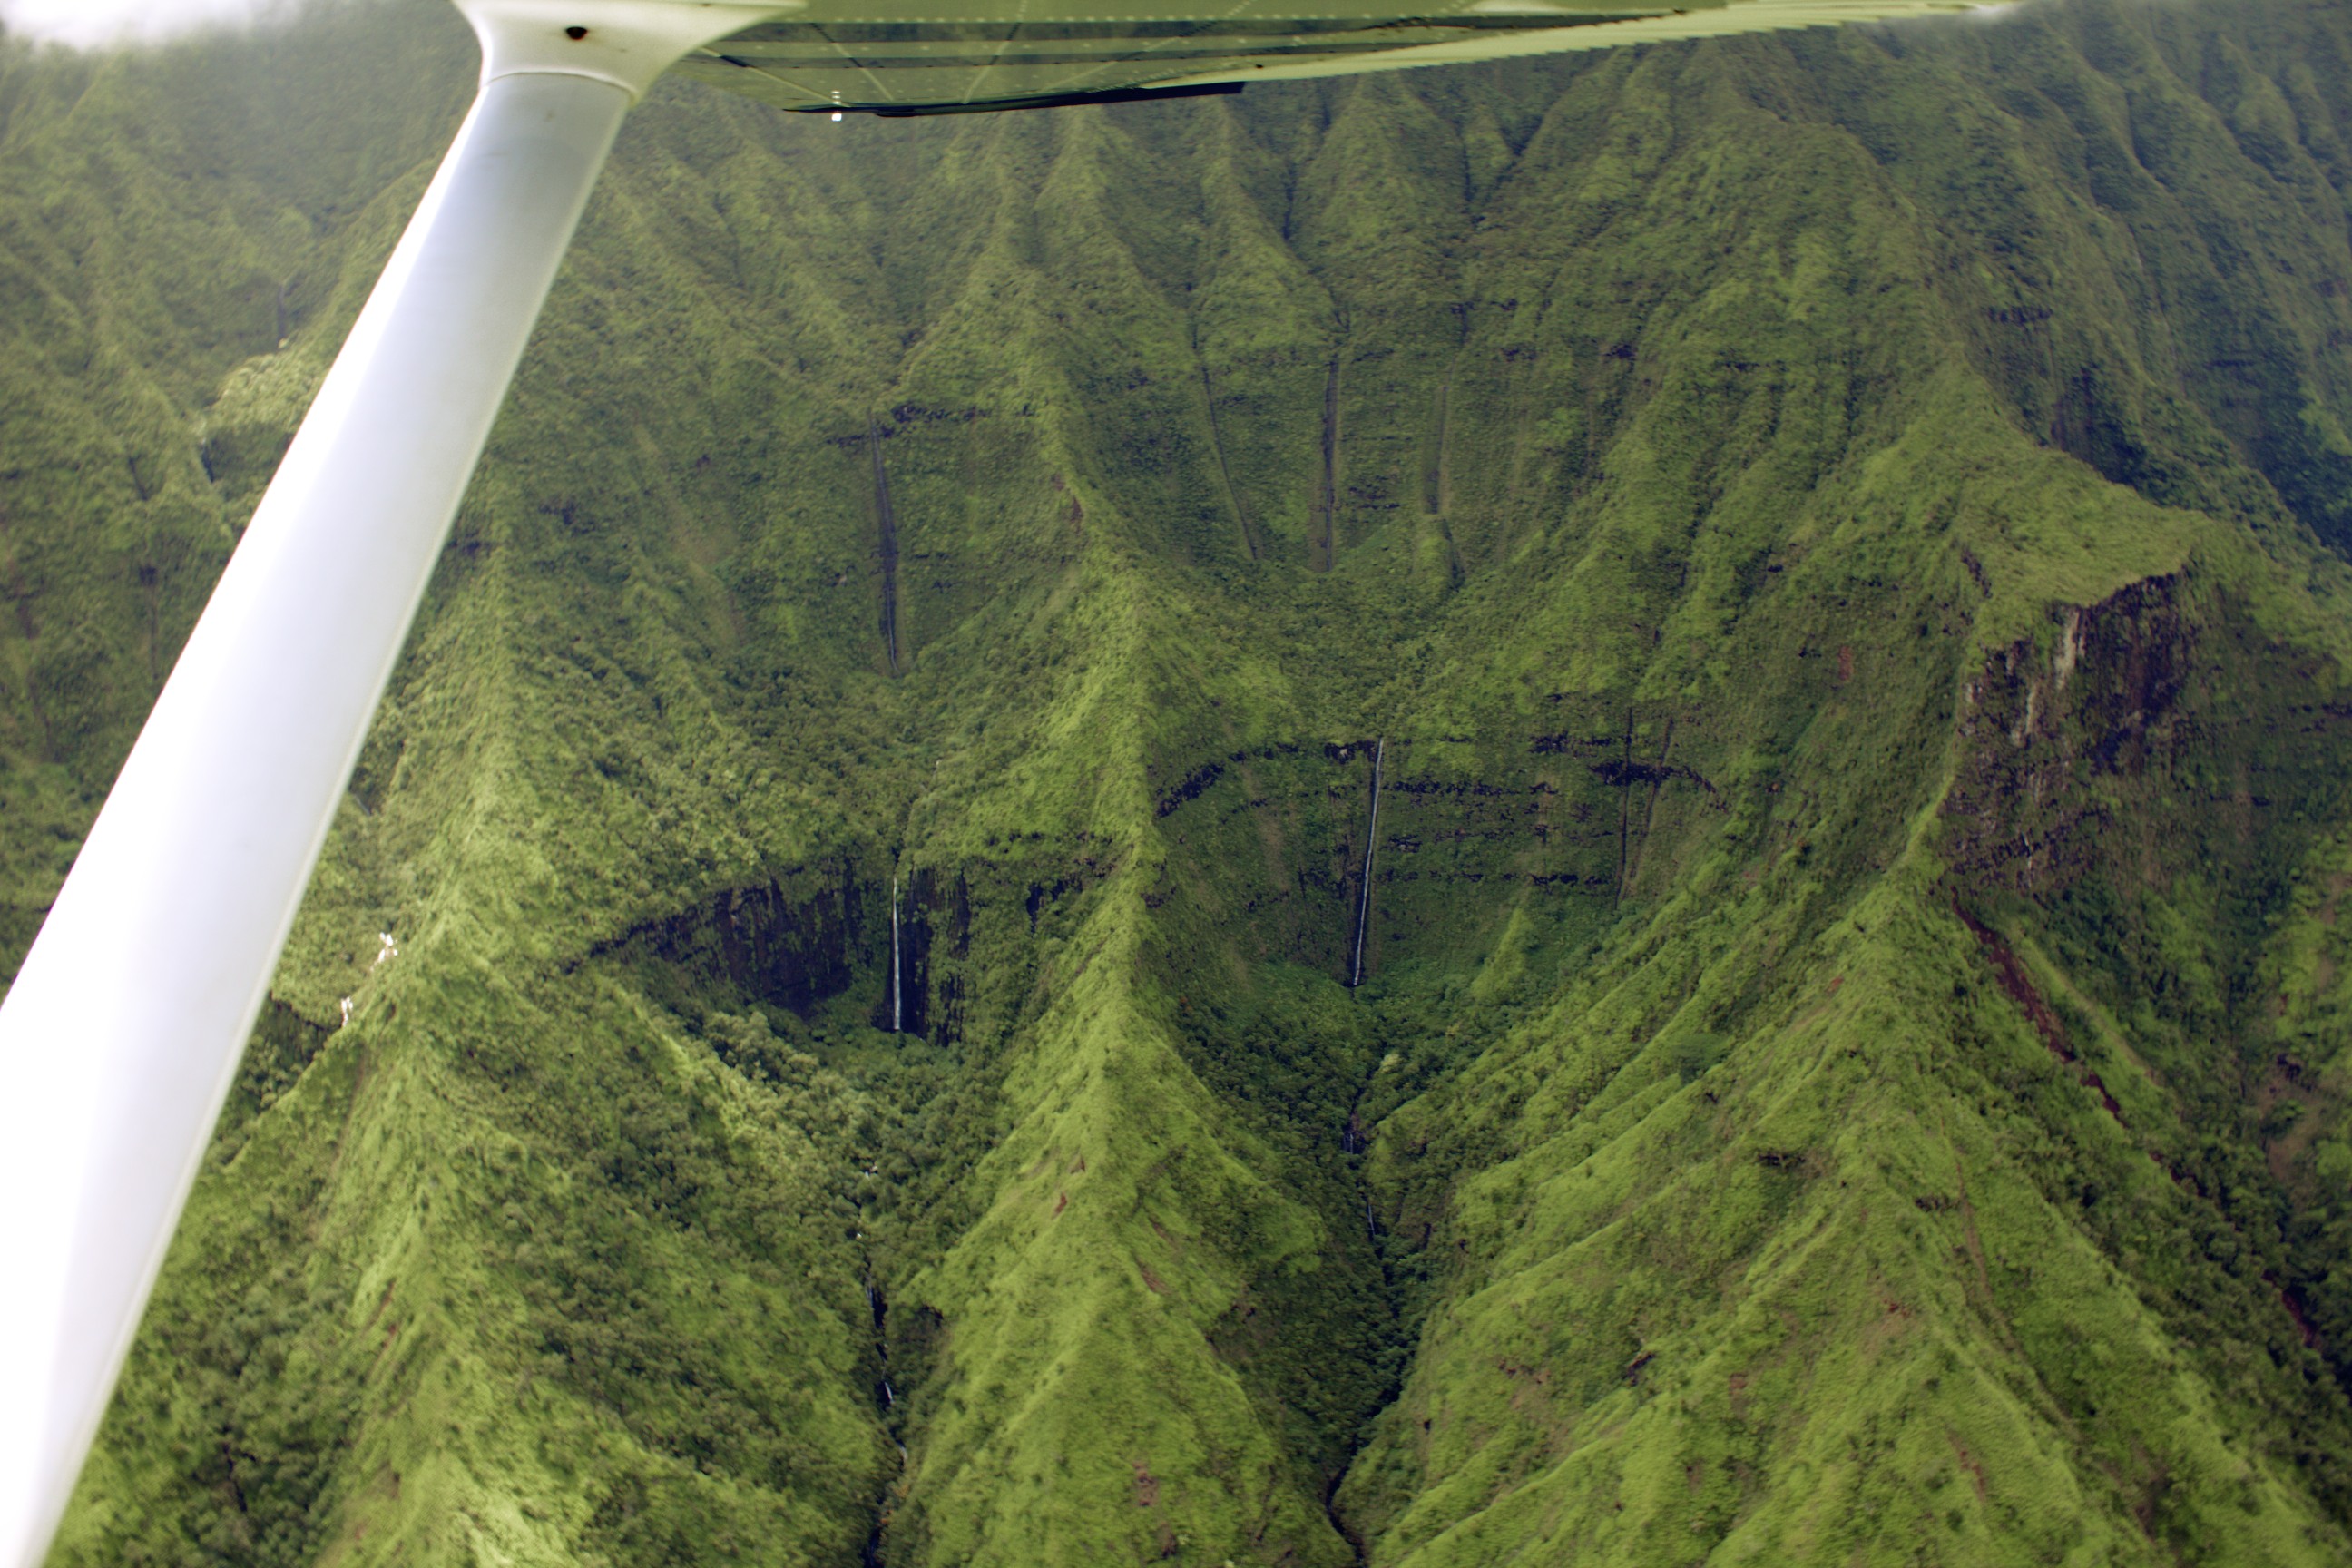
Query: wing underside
[935, 56]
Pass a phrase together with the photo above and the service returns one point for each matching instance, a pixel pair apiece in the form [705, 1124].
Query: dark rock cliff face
[2050, 730]
[799, 943]
[934, 940]
[2154, 731]
[790, 952]
[1464, 825]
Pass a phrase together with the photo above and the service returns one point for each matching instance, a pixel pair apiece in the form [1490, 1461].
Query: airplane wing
[951, 57]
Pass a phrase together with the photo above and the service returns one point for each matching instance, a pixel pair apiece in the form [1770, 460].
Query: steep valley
[866, 1005]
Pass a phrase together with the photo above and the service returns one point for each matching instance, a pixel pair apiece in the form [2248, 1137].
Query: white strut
[120, 1037]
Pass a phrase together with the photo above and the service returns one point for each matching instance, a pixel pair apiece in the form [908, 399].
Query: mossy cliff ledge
[909, 1042]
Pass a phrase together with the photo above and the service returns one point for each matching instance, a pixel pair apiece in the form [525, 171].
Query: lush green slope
[1832, 546]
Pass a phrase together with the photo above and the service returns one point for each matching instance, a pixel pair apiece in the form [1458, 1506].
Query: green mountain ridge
[1834, 545]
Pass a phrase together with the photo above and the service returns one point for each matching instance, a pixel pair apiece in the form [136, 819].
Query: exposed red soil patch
[1970, 1463]
[2019, 985]
[2294, 1310]
[2021, 988]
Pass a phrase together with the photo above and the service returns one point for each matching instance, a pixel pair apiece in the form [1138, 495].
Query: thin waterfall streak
[897, 987]
[1371, 842]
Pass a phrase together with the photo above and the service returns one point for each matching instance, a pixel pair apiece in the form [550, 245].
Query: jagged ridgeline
[902, 1037]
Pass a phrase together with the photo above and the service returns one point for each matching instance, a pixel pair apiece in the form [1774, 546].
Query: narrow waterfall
[898, 990]
[1371, 841]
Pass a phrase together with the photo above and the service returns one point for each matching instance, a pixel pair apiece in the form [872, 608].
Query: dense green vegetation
[1836, 542]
